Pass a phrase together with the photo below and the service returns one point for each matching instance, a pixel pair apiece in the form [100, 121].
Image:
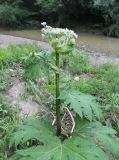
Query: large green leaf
[75, 148]
[101, 134]
[52, 148]
[83, 104]
[31, 129]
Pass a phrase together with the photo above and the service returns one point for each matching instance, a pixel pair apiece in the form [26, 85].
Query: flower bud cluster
[62, 40]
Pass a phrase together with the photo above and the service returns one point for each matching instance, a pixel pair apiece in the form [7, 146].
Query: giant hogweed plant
[88, 138]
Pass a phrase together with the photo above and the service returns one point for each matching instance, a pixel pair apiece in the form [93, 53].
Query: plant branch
[58, 103]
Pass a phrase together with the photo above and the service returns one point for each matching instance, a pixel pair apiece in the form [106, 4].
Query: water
[87, 41]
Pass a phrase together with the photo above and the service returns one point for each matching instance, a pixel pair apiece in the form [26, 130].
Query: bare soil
[27, 106]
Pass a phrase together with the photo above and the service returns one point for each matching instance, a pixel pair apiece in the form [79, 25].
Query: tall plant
[87, 139]
[63, 41]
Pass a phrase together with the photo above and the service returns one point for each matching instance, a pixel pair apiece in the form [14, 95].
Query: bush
[109, 10]
[112, 30]
[29, 14]
[13, 14]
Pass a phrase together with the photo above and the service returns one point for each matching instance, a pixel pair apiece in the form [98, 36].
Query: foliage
[48, 7]
[104, 82]
[100, 133]
[15, 53]
[5, 80]
[22, 13]
[48, 146]
[112, 30]
[110, 13]
[106, 11]
[36, 139]
[79, 58]
[8, 119]
[88, 138]
[101, 81]
[12, 11]
[35, 66]
[84, 105]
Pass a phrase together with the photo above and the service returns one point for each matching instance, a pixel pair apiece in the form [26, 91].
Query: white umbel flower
[62, 40]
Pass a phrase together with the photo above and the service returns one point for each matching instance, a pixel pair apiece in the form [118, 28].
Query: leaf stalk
[58, 102]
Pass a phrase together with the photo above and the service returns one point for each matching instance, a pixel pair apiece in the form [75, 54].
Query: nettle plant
[85, 139]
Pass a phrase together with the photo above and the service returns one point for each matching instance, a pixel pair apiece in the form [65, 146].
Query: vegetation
[82, 103]
[25, 14]
[14, 54]
[8, 119]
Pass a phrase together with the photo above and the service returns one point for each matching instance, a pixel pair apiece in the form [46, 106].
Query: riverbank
[96, 58]
[90, 42]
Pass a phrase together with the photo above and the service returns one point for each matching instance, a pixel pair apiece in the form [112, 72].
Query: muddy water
[87, 41]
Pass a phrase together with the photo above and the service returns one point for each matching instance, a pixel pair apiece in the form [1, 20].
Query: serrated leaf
[31, 129]
[77, 147]
[102, 134]
[83, 104]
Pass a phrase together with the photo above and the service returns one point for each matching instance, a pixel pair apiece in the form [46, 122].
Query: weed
[77, 63]
[14, 53]
[8, 119]
[5, 80]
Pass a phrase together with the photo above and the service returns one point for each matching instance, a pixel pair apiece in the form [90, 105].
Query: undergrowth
[14, 53]
[8, 119]
[94, 87]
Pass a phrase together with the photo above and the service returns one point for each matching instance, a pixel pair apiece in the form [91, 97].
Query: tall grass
[15, 53]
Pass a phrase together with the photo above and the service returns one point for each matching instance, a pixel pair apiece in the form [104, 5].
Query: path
[95, 58]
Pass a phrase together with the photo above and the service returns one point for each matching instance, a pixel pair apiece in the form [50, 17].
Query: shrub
[13, 14]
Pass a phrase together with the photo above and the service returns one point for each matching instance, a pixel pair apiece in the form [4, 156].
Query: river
[87, 41]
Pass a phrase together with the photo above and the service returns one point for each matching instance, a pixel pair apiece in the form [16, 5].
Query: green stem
[58, 103]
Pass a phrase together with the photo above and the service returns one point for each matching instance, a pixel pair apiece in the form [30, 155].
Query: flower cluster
[62, 40]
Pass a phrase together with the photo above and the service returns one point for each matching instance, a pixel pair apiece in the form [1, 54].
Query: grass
[8, 119]
[5, 79]
[101, 81]
[15, 53]
[11, 67]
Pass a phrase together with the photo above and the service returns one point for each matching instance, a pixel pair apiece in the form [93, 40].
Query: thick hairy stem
[58, 118]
